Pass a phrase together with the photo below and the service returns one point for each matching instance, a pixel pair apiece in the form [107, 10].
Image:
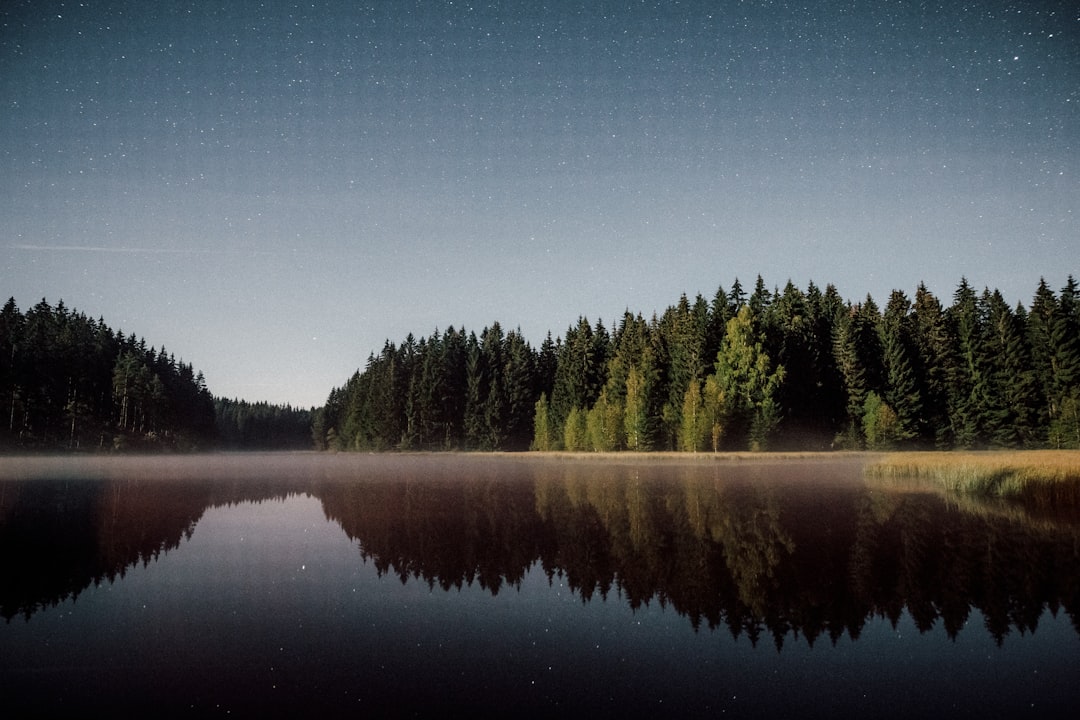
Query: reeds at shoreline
[1042, 477]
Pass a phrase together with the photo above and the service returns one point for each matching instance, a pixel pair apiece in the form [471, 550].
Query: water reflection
[757, 550]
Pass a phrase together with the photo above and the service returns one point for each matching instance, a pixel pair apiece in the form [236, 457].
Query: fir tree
[900, 357]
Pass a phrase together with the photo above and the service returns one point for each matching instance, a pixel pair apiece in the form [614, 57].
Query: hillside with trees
[70, 382]
[769, 369]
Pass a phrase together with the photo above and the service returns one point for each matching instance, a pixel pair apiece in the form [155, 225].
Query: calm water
[406, 585]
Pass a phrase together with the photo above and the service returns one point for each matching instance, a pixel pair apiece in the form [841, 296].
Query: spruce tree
[859, 357]
[969, 383]
[1013, 391]
[1064, 385]
[900, 357]
[935, 365]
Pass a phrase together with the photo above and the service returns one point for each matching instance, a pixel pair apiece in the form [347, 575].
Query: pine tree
[969, 386]
[1013, 394]
[476, 382]
[1041, 320]
[935, 364]
[519, 389]
[454, 390]
[715, 326]
[1064, 384]
[902, 393]
[859, 356]
[496, 405]
[577, 373]
[683, 337]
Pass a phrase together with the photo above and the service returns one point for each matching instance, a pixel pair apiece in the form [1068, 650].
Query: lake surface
[536, 586]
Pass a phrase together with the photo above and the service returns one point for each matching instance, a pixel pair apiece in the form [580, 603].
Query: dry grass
[1044, 477]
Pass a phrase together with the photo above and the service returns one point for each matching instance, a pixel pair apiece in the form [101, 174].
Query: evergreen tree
[902, 392]
[11, 373]
[519, 380]
[58, 377]
[969, 386]
[496, 410]
[716, 326]
[476, 383]
[1064, 428]
[801, 331]
[790, 367]
[453, 392]
[858, 354]
[1013, 394]
[579, 371]
[1041, 319]
[826, 309]
[935, 365]
[748, 383]
[546, 362]
[682, 335]
[736, 300]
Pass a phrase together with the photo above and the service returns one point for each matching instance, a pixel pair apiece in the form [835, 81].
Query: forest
[765, 370]
[69, 382]
[769, 369]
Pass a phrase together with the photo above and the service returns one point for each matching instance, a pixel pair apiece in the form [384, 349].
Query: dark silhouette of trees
[69, 381]
[243, 425]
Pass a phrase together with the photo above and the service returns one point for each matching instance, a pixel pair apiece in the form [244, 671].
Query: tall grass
[1048, 478]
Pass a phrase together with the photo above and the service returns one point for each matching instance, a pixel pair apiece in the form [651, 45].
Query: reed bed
[1049, 478]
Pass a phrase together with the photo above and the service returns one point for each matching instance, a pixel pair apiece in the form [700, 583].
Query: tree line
[243, 425]
[68, 381]
[768, 369]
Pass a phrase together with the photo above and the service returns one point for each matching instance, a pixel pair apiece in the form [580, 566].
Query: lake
[406, 585]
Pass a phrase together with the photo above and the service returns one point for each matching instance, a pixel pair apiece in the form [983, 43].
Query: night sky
[272, 190]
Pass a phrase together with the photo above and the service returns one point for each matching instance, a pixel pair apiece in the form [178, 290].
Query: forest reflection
[759, 550]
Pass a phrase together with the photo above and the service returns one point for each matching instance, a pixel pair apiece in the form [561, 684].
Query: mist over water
[405, 584]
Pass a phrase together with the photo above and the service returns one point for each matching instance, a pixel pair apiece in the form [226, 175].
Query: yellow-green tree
[543, 434]
[695, 427]
[636, 409]
[604, 426]
[747, 383]
[880, 423]
[575, 431]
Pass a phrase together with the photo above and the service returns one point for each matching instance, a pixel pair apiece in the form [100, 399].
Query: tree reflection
[59, 537]
[761, 549]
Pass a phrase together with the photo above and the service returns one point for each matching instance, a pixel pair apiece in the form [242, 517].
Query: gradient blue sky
[272, 190]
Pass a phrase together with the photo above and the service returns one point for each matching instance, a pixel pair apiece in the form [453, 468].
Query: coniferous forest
[769, 369]
[766, 369]
[68, 381]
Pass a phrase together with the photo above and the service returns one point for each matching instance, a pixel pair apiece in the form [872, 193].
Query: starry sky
[273, 189]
